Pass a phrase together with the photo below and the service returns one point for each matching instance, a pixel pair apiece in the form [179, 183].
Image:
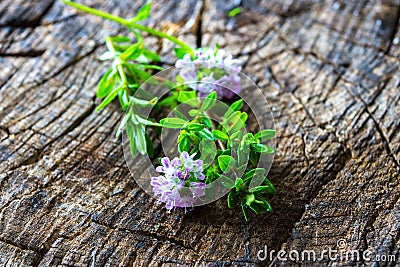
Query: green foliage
[265, 135]
[143, 13]
[252, 199]
[106, 83]
[234, 12]
[209, 101]
[180, 52]
[189, 98]
[220, 135]
[226, 149]
[233, 198]
[137, 137]
[226, 162]
[207, 134]
[172, 123]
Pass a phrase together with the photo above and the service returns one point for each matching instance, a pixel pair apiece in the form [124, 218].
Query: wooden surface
[330, 71]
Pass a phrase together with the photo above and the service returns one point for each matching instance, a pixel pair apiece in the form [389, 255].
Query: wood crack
[29, 53]
[155, 236]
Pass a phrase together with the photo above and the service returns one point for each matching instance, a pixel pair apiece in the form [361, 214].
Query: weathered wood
[330, 71]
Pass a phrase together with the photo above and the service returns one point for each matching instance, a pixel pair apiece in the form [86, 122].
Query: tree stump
[330, 71]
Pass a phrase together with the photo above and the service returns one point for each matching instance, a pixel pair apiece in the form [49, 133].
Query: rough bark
[330, 71]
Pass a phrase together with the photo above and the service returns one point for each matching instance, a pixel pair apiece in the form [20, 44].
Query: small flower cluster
[179, 173]
[211, 70]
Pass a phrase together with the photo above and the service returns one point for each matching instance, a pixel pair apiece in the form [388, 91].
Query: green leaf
[194, 138]
[122, 124]
[269, 184]
[236, 136]
[143, 13]
[110, 97]
[265, 135]
[107, 55]
[227, 182]
[189, 98]
[220, 135]
[207, 121]
[131, 52]
[152, 56]
[254, 157]
[141, 74]
[169, 101]
[267, 206]
[250, 199]
[239, 184]
[224, 152]
[149, 146]
[172, 123]
[260, 148]
[147, 122]
[251, 139]
[140, 138]
[263, 189]
[260, 205]
[234, 12]
[244, 210]
[144, 103]
[208, 150]
[256, 207]
[179, 114]
[123, 99]
[225, 162]
[233, 198]
[195, 112]
[243, 117]
[154, 67]
[236, 106]
[120, 39]
[209, 101]
[194, 126]
[184, 144]
[254, 172]
[205, 133]
[106, 83]
[132, 84]
[131, 135]
[243, 154]
[234, 122]
[180, 52]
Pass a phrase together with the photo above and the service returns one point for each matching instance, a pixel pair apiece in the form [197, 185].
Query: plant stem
[120, 68]
[129, 24]
[214, 127]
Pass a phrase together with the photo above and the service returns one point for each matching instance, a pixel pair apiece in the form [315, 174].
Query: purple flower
[184, 202]
[167, 167]
[190, 164]
[166, 188]
[180, 185]
[197, 189]
[224, 77]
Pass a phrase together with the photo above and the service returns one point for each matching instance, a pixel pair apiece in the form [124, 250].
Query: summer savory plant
[209, 150]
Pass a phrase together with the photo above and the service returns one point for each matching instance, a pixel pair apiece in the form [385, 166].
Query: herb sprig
[211, 150]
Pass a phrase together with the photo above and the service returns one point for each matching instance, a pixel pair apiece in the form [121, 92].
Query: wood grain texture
[330, 71]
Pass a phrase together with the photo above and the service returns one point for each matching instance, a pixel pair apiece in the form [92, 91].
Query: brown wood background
[330, 71]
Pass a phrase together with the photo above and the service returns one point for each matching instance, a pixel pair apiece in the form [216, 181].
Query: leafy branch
[223, 149]
[235, 161]
[132, 64]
